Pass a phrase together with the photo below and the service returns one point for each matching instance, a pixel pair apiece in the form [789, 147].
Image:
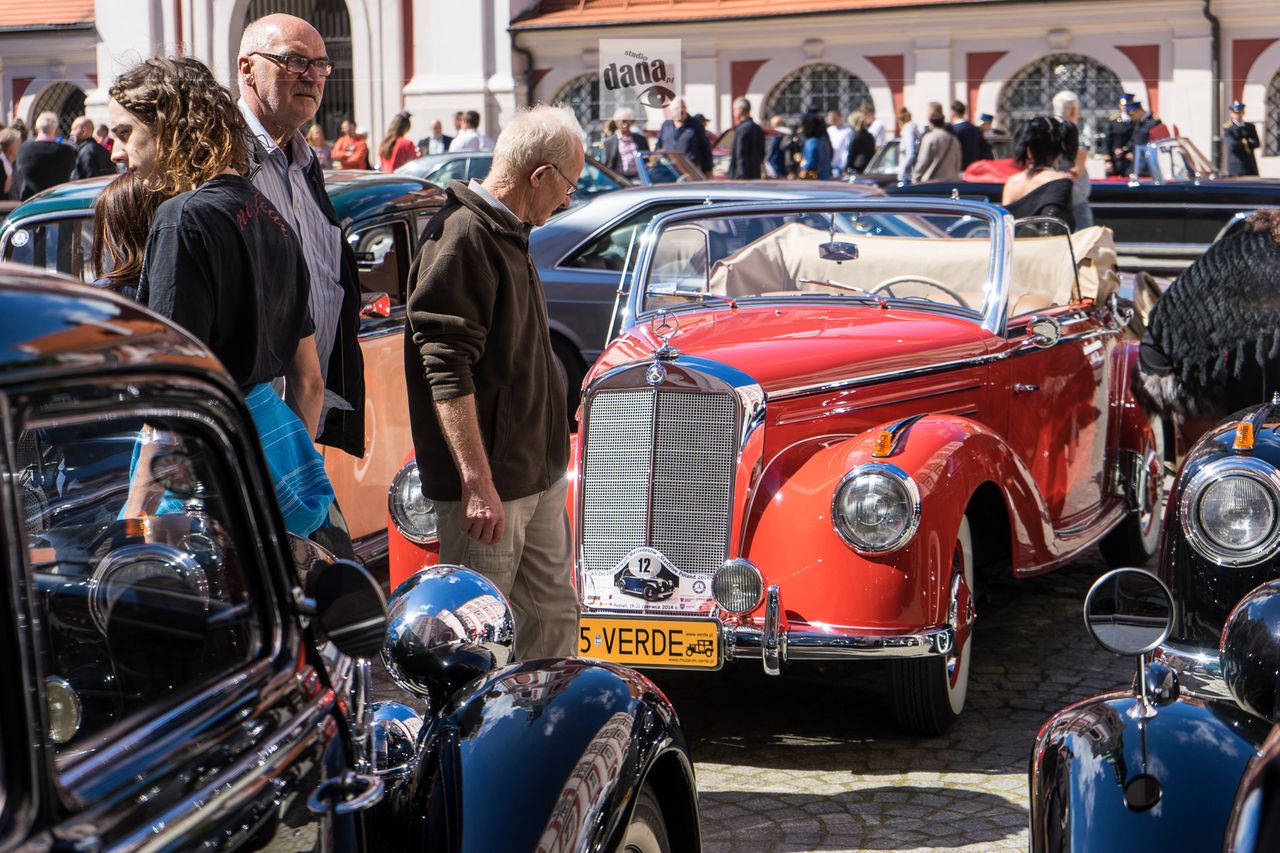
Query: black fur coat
[1213, 338]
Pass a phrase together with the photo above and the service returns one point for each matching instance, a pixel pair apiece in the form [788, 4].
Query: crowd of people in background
[50, 157]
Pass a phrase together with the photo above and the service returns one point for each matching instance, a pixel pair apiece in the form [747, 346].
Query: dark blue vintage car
[190, 677]
[1190, 758]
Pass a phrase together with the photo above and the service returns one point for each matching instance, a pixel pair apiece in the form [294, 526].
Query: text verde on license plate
[651, 642]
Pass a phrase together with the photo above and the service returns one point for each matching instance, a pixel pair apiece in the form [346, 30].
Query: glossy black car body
[1214, 682]
[189, 700]
[1164, 221]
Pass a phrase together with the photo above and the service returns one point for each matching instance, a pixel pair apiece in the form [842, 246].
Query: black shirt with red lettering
[222, 262]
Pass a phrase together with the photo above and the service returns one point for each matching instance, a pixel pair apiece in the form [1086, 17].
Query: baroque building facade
[1186, 59]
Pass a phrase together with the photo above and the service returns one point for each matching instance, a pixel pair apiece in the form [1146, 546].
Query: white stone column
[1187, 100]
[932, 80]
[453, 55]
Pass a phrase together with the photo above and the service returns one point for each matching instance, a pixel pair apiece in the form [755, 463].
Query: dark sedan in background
[1163, 221]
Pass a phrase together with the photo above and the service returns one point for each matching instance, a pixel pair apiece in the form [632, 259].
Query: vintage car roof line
[993, 320]
[73, 327]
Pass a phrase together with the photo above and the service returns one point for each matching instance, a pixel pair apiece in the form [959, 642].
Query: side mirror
[1044, 332]
[1130, 612]
[447, 625]
[1250, 651]
[350, 609]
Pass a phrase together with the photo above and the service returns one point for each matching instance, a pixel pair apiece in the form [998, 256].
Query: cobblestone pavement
[811, 760]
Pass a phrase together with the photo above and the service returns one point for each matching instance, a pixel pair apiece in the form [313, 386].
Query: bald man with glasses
[283, 65]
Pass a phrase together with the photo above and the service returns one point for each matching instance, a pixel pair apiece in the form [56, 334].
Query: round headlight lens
[64, 709]
[737, 587]
[876, 508]
[413, 515]
[1237, 513]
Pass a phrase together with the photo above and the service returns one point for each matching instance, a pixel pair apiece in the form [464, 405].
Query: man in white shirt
[841, 135]
[470, 138]
[875, 126]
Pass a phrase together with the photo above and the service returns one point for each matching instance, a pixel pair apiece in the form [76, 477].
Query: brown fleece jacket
[477, 324]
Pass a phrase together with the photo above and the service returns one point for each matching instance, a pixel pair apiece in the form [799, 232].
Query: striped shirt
[285, 184]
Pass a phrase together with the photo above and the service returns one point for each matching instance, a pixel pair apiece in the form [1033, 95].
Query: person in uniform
[1143, 124]
[1242, 142]
[1119, 133]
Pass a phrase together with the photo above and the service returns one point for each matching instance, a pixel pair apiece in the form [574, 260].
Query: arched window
[1271, 140]
[821, 86]
[1030, 92]
[63, 98]
[333, 21]
[582, 95]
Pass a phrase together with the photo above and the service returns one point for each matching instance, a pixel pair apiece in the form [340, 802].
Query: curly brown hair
[122, 215]
[1265, 219]
[199, 131]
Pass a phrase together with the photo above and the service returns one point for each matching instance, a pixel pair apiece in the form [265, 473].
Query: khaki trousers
[530, 564]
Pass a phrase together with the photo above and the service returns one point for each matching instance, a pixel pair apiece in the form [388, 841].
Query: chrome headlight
[445, 626]
[1230, 511]
[123, 570]
[876, 508]
[65, 712]
[413, 515]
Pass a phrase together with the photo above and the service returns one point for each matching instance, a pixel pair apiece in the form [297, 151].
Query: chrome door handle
[1020, 388]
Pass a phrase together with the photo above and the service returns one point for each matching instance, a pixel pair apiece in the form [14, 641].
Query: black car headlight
[413, 515]
[1230, 510]
[876, 508]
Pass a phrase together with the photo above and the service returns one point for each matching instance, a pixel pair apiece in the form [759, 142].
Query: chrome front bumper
[1199, 670]
[775, 643]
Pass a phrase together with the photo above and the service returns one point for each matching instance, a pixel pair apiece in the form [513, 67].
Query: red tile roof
[26, 14]
[580, 13]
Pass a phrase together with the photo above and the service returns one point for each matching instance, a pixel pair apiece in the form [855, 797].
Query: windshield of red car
[926, 260]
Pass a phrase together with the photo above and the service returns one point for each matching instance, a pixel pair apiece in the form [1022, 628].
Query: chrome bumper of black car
[1199, 670]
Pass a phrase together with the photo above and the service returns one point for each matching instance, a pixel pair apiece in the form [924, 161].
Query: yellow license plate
[682, 643]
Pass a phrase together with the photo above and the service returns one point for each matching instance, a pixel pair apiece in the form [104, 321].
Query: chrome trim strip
[873, 378]
[814, 645]
[1199, 670]
[808, 415]
[372, 547]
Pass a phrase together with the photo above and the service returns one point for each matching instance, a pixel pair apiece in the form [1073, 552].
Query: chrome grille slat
[691, 441]
[616, 476]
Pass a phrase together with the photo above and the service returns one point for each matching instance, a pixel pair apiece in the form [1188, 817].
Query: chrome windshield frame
[992, 319]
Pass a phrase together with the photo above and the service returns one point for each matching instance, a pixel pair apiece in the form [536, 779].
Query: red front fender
[792, 540]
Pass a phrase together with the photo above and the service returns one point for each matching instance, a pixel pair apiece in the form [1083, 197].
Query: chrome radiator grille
[689, 440]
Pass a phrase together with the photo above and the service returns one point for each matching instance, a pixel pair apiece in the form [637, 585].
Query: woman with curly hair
[122, 215]
[1040, 189]
[1212, 343]
[396, 149]
[221, 262]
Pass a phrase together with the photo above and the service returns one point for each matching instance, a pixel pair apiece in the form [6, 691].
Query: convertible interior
[786, 261]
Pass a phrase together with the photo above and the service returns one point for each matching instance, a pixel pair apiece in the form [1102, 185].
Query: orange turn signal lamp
[884, 444]
[1244, 436]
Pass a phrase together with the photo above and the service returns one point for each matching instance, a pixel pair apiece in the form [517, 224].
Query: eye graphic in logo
[656, 97]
